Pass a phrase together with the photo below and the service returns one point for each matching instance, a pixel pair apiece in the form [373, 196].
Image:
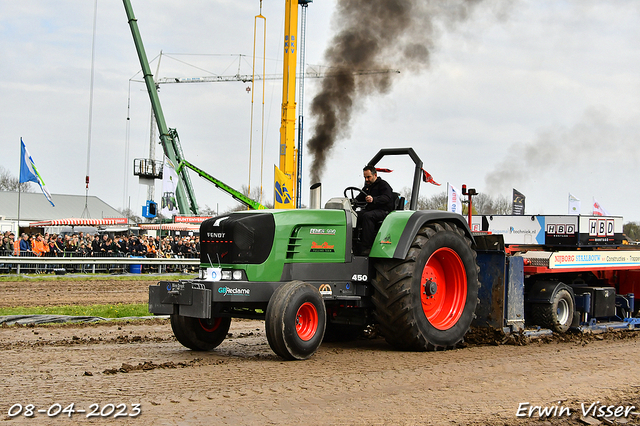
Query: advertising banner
[169, 204]
[454, 203]
[518, 203]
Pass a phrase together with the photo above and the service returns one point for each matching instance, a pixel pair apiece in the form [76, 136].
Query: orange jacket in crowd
[151, 248]
[38, 247]
[16, 247]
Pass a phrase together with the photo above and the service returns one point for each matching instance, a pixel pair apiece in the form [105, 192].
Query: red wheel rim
[210, 325]
[306, 321]
[444, 307]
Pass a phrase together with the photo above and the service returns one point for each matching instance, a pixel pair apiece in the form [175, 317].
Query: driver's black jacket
[382, 195]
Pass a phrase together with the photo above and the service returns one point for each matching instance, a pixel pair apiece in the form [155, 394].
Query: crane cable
[264, 58]
[85, 212]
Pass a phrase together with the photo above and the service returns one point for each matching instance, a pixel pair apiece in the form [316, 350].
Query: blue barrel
[135, 269]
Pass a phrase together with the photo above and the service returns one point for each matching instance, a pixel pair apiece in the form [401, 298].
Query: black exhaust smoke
[373, 35]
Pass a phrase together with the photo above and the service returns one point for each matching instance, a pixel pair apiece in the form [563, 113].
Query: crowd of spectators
[81, 245]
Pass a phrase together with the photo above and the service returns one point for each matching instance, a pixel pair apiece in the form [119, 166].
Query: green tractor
[296, 270]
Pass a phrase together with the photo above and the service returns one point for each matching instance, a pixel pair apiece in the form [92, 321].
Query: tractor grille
[293, 248]
[237, 238]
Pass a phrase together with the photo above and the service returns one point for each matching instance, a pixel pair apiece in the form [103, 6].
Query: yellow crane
[286, 175]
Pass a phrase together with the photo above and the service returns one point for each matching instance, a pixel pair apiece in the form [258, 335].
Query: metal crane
[302, 44]
[169, 137]
[318, 72]
[287, 175]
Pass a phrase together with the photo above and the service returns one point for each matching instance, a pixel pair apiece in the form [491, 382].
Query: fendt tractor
[300, 271]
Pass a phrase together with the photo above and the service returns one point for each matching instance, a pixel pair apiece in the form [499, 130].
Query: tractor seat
[398, 201]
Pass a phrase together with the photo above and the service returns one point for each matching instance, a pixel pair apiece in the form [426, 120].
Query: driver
[378, 196]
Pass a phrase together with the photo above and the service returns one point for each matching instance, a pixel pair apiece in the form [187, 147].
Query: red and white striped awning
[80, 222]
[170, 226]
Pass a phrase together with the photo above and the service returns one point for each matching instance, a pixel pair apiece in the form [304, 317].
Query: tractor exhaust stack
[315, 197]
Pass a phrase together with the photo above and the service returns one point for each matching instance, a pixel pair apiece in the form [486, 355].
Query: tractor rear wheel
[427, 300]
[200, 334]
[295, 320]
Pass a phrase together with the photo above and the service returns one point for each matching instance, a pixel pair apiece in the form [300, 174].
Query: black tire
[295, 320]
[200, 334]
[557, 315]
[412, 315]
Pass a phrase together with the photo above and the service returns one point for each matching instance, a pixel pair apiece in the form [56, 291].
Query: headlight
[237, 275]
[226, 275]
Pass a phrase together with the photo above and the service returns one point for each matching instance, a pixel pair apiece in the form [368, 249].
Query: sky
[537, 95]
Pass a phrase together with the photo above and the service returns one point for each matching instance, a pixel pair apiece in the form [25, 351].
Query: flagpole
[19, 187]
[18, 229]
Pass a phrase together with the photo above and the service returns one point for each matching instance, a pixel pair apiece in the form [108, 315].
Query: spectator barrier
[109, 264]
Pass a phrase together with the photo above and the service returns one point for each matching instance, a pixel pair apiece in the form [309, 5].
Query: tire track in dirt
[357, 383]
[363, 382]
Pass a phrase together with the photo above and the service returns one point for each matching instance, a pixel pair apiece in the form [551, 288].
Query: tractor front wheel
[295, 320]
[200, 334]
[427, 300]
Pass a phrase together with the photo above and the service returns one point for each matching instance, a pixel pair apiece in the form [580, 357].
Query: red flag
[598, 210]
[383, 170]
[428, 178]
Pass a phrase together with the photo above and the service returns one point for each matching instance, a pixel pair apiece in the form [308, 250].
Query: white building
[34, 207]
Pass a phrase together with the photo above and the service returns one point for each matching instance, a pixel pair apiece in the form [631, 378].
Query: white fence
[26, 264]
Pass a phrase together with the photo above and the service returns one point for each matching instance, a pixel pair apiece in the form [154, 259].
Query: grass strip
[104, 311]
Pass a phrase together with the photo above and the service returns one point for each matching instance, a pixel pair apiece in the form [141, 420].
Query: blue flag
[29, 172]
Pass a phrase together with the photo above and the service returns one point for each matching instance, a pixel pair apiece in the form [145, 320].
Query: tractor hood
[237, 238]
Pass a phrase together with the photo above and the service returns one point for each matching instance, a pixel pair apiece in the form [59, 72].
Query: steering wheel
[351, 192]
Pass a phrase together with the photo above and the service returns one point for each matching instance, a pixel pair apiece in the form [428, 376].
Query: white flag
[169, 205]
[598, 210]
[574, 205]
[454, 203]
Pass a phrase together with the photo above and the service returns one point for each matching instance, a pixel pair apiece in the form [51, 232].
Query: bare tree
[485, 204]
[502, 205]
[632, 230]
[207, 211]
[435, 202]
[130, 215]
[11, 183]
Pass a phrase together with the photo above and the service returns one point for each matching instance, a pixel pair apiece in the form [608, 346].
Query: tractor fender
[544, 291]
[400, 228]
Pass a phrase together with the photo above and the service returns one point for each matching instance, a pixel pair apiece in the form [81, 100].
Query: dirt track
[243, 382]
[54, 292]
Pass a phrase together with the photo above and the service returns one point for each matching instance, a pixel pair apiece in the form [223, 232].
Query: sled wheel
[200, 334]
[558, 315]
[427, 300]
[295, 320]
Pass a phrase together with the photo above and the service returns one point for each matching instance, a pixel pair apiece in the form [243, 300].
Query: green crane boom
[235, 194]
[168, 137]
